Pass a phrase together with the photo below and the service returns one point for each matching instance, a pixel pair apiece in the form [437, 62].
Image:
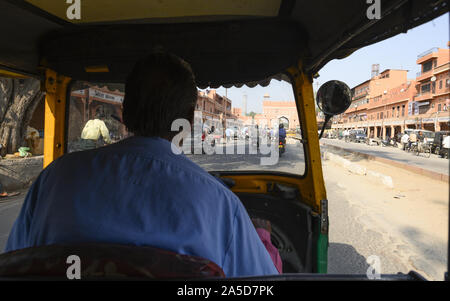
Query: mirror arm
[327, 118]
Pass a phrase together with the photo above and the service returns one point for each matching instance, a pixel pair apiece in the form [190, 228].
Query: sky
[398, 52]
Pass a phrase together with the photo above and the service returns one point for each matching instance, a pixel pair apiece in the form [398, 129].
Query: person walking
[404, 140]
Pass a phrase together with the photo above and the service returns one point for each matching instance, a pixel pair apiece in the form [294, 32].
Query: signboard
[79, 92]
[413, 108]
[428, 120]
[106, 96]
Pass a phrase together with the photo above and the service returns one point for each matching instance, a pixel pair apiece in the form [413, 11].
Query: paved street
[434, 163]
[9, 210]
[291, 161]
[406, 227]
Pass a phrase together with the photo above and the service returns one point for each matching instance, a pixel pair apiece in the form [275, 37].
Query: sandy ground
[410, 220]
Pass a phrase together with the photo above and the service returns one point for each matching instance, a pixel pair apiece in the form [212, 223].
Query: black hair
[100, 113]
[160, 89]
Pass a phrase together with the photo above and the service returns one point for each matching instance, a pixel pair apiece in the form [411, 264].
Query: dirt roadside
[412, 217]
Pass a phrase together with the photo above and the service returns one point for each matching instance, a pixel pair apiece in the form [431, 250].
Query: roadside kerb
[417, 170]
[359, 169]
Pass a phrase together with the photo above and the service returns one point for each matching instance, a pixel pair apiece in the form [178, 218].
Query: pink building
[211, 105]
[389, 103]
[273, 113]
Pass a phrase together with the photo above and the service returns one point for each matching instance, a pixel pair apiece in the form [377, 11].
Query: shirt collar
[154, 142]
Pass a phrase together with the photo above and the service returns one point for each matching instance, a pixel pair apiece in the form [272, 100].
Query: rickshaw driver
[138, 192]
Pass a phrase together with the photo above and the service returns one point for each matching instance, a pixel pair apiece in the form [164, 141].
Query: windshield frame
[73, 82]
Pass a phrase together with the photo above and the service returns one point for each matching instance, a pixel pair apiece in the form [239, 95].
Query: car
[436, 145]
[428, 135]
[357, 136]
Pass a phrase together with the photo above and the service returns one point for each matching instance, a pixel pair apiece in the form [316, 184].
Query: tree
[18, 100]
[252, 114]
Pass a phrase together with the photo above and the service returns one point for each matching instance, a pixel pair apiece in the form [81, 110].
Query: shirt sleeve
[84, 132]
[105, 132]
[246, 255]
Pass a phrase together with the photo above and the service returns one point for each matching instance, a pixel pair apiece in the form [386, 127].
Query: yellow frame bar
[55, 111]
[7, 73]
[304, 96]
[312, 185]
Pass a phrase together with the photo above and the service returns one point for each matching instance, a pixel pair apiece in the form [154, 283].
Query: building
[432, 100]
[273, 113]
[389, 103]
[215, 108]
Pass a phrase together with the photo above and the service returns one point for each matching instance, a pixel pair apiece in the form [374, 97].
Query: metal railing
[434, 49]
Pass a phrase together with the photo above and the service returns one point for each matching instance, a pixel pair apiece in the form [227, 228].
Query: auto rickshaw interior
[228, 44]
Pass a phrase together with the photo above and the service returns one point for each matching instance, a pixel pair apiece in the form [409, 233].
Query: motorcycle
[389, 142]
[282, 146]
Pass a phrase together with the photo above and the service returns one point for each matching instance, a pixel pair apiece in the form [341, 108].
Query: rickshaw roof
[228, 43]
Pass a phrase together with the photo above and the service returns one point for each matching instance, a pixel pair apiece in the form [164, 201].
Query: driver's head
[160, 89]
[100, 113]
[281, 126]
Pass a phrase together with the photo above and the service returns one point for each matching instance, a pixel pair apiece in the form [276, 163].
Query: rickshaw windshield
[235, 129]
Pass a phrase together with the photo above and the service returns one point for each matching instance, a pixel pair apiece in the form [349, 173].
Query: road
[9, 210]
[434, 163]
[406, 227]
[227, 157]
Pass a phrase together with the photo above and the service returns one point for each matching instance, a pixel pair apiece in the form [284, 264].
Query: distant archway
[285, 121]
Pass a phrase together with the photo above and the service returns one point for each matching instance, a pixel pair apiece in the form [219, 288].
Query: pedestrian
[446, 146]
[95, 132]
[421, 137]
[228, 134]
[404, 140]
[412, 139]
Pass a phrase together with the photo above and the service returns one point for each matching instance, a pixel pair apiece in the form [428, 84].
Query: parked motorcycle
[389, 142]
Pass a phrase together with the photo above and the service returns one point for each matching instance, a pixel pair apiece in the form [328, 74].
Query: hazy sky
[399, 52]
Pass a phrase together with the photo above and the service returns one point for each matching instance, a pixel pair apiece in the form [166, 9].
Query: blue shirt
[138, 192]
[282, 133]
